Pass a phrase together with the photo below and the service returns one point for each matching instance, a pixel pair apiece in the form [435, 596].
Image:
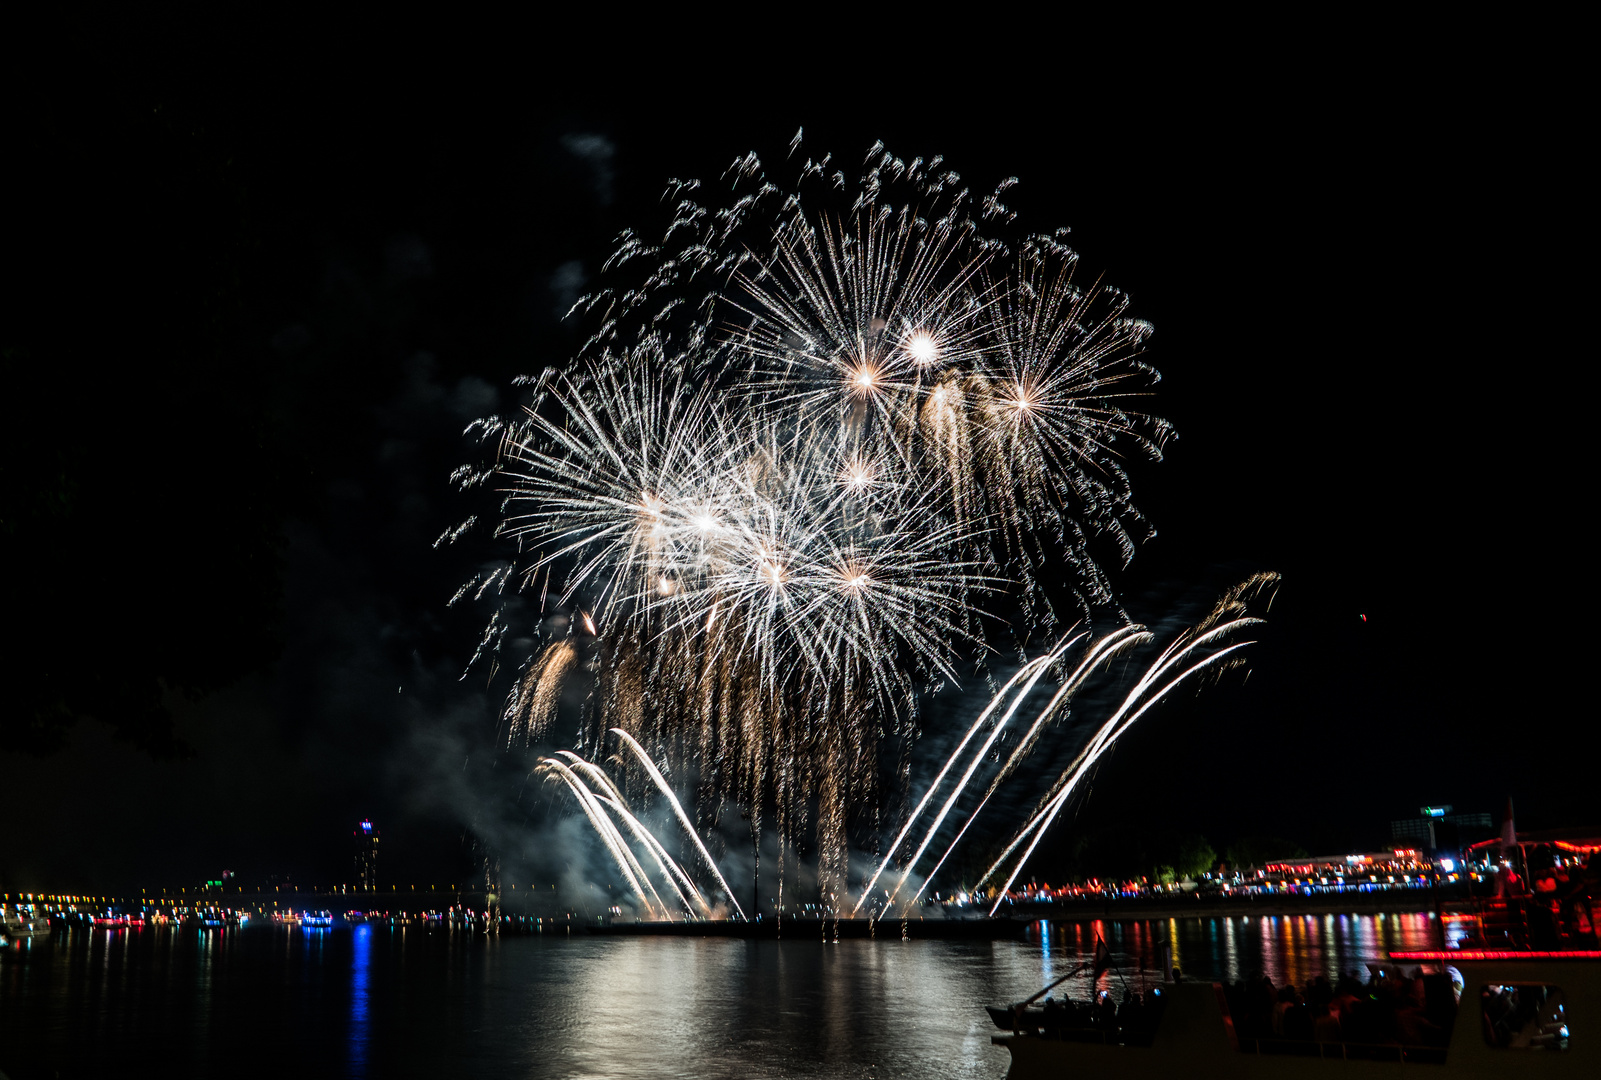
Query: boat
[1196, 1033]
[317, 919]
[1497, 1004]
[21, 924]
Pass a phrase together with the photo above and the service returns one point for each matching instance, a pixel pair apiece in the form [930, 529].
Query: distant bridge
[523, 898]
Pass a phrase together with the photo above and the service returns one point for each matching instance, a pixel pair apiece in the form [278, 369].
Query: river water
[379, 1002]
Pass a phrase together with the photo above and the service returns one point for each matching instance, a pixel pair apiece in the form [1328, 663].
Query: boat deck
[1195, 1037]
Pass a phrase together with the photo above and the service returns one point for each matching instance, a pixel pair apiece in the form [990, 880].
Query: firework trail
[824, 439]
[613, 800]
[532, 705]
[978, 758]
[1098, 653]
[1227, 618]
[683, 819]
[600, 793]
[1029, 670]
[632, 872]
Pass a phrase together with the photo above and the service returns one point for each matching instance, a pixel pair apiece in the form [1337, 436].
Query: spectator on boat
[1107, 1017]
[1386, 994]
[1497, 1009]
[1409, 1020]
[1263, 996]
[1326, 1028]
[1318, 994]
[1439, 1005]
[1128, 1013]
[1536, 1018]
[1361, 1017]
[1507, 882]
[1346, 994]
[1285, 1002]
[1551, 1015]
[1234, 995]
[1522, 1021]
[1054, 1017]
[1298, 1020]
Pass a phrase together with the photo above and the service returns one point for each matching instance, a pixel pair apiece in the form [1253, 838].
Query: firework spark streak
[683, 819]
[614, 801]
[978, 758]
[631, 870]
[1027, 670]
[821, 440]
[1100, 652]
[605, 795]
[1226, 619]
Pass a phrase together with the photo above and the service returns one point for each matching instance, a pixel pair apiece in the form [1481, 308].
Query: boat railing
[1350, 1051]
[1106, 1036]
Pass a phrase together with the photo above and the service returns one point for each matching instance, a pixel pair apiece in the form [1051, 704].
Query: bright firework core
[922, 348]
[787, 476]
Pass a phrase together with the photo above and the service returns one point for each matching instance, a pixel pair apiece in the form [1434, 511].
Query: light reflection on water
[1286, 948]
[379, 1002]
[361, 948]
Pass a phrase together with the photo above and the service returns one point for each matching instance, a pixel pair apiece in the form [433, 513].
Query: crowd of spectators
[1391, 1012]
[1391, 1008]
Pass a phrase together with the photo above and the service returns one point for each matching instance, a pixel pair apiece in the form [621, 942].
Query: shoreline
[1192, 907]
[936, 922]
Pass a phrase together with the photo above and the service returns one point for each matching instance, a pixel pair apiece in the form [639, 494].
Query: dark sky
[251, 298]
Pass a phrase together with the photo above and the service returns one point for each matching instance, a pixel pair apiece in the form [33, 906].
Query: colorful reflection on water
[373, 1001]
[1286, 948]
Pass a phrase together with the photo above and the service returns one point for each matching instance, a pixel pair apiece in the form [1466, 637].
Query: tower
[366, 838]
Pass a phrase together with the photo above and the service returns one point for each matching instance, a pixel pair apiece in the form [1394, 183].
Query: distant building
[1436, 828]
[366, 856]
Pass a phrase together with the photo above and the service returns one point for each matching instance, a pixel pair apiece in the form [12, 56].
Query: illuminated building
[366, 838]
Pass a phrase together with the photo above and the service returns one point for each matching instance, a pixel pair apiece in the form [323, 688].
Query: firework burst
[821, 434]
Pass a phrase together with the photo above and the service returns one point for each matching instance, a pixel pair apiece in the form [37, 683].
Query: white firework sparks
[818, 436]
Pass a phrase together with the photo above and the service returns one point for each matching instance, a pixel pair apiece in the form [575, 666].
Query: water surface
[378, 1002]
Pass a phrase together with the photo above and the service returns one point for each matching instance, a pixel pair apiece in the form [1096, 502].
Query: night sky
[249, 306]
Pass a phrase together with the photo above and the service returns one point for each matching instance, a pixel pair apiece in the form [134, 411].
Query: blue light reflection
[360, 1020]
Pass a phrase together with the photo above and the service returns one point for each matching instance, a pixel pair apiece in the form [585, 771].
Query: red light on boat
[1499, 954]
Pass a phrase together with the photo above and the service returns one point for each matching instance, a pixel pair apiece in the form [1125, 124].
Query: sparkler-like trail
[1103, 743]
[1027, 670]
[1227, 618]
[614, 801]
[1098, 653]
[606, 796]
[683, 819]
[532, 704]
[669, 869]
[978, 758]
[608, 833]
